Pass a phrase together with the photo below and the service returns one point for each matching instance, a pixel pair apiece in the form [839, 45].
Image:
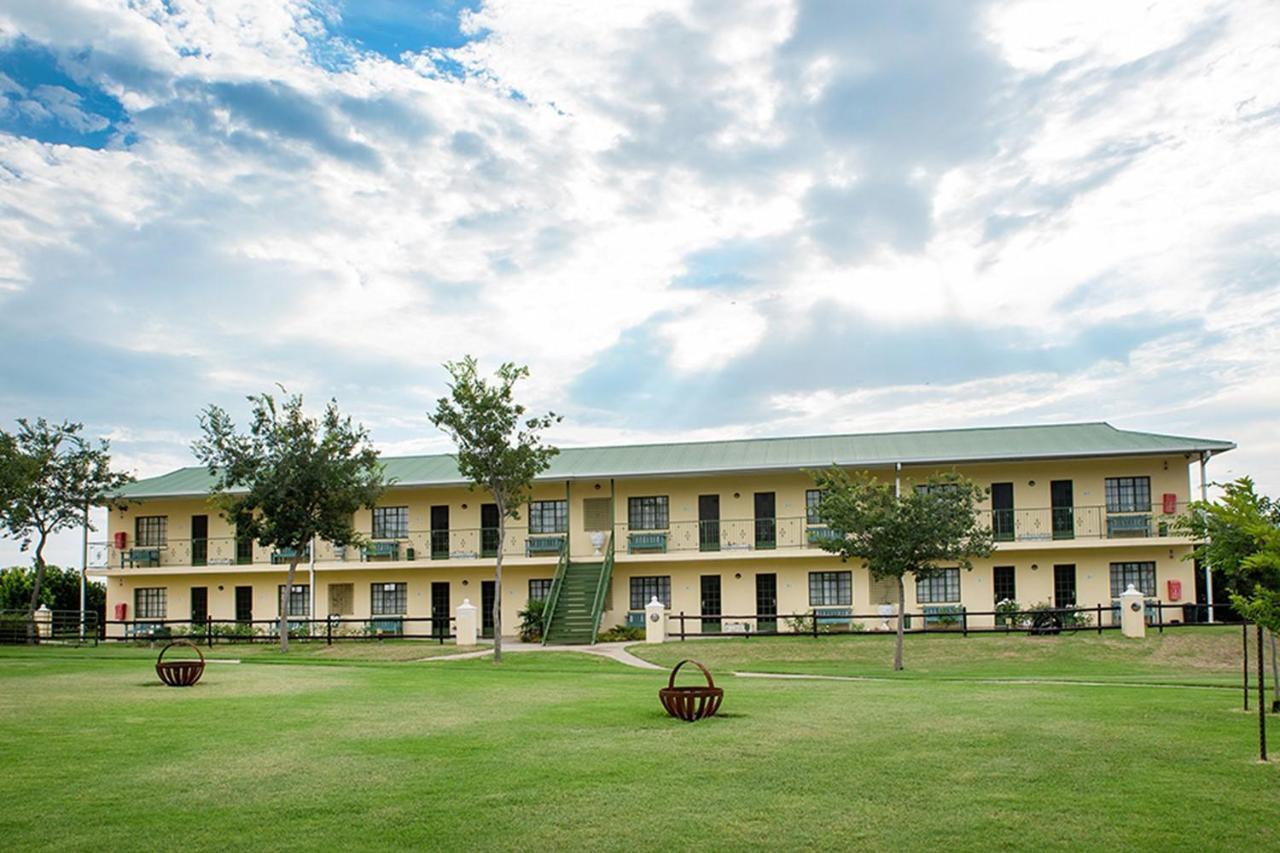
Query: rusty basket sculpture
[180, 673]
[691, 703]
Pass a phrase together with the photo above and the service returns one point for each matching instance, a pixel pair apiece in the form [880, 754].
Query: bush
[1043, 619]
[532, 619]
[621, 633]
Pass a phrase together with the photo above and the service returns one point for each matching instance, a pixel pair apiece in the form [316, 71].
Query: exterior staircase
[576, 601]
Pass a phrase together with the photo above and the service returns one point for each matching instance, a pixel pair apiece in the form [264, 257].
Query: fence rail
[60, 626]
[333, 629]
[945, 619]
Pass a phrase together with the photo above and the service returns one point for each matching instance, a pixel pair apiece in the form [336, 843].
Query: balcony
[1058, 524]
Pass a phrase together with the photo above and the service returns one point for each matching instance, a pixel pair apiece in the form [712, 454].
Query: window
[548, 516]
[930, 488]
[1141, 575]
[342, 599]
[830, 588]
[1003, 585]
[391, 522]
[812, 497]
[1064, 585]
[943, 585]
[539, 589]
[389, 599]
[149, 602]
[150, 530]
[299, 600]
[1128, 494]
[647, 513]
[644, 590]
[597, 514]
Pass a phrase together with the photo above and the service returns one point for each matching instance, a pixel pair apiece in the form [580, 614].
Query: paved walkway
[613, 651]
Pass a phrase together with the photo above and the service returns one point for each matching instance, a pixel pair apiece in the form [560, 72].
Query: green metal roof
[762, 454]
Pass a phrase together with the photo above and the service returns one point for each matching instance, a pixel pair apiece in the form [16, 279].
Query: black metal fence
[59, 626]
[331, 630]
[955, 619]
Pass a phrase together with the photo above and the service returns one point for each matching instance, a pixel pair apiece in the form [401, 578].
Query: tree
[291, 479]
[498, 448]
[49, 476]
[60, 590]
[1239, 536]
[930, 527]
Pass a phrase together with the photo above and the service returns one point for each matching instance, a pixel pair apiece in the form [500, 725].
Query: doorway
[439, 608]
[199, 605]
[487, 594]
[1062, 501]
[440, 532]
[708, 522]
[766, 603]
[1002, 512]
[244, 604]
[199, 540]
[710, 604]
[488, 530]
[766, 521]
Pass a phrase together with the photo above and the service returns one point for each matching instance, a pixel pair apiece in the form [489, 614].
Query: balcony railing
[1056, 524]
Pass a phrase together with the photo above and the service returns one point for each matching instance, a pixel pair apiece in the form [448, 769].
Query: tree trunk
[35, 590]
[497, 584]
[902, 608]
[284, 605]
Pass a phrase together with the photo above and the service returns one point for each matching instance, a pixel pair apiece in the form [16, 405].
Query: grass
[570, 751]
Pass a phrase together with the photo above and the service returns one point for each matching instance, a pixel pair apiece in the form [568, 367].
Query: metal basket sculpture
[691, 703]
[180, 673]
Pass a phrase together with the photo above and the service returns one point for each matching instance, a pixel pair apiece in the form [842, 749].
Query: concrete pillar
[466, 623]
[655, 622]
[44, 622]
[1133, 621]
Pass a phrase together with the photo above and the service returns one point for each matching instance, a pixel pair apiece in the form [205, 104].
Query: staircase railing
[602, 588]
[549, 606]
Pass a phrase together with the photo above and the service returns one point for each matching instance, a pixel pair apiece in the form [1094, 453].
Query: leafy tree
[498, 448]
[60, 590]
[291, 479]
[1239, 536]
[49, 476]
[933, 526]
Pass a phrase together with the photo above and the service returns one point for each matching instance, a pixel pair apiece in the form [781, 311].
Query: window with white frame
[941, 586]
[150, 530]
[828, 589]
[1141, 575]
[391, 522]
[812, 497]
[645, 589]
[647, 513]
[149, 602]
[298, 600]
[548, 516]
[539, 588]
[389, 599]
[1128, 494]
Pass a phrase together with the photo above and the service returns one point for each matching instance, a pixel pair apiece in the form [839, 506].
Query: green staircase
[576, 601]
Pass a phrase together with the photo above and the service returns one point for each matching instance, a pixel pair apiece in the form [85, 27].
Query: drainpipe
[311, 577]
[84, 566]
[1204, 498]
[897, 479]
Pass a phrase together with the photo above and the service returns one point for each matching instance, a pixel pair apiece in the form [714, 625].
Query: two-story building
[724, 530]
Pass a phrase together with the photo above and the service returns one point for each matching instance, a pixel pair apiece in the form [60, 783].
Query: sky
[691, 219]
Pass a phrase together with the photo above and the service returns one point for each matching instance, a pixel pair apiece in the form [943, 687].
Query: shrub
[1043, 619]
[532, 620]
[1008, 612]
[621, 633]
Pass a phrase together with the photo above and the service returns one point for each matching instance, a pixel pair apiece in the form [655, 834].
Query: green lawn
[573, 752]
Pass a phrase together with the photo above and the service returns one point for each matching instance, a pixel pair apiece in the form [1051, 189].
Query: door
[439, 608]
[766, 602]
[199, 540]
[1064, 586]
[1003, 585]
[487, 589]
[708, 522]
[1062, 499]
[488, 530]
[199, 605]
[244, 551]
[710, 604]
[766, 520]
[244, 604]
[1002, 512]
[440, 532]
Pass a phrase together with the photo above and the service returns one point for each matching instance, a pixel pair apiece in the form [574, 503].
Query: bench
[647, 542]
[821, 534]
[1128, 525]
[141, 557]
[946, 614]
[391, 625]
[833, 616]
[542, 545]
[286, 555]
[380, 551]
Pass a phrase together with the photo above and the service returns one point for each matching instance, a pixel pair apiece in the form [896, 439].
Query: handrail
[606, 574]
[549, 607]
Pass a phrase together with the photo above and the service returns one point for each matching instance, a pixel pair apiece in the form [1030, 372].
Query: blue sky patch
[40, 101]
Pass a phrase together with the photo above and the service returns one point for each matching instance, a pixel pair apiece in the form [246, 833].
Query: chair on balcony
[287, 555]
[1128, 525]
[142, 558]
[380, 551]
[541, 546]
[821, 534]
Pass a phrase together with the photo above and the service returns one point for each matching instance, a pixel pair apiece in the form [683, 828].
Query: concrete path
[613, 651]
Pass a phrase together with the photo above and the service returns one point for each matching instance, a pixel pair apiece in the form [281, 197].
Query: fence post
[1244, 636]
[1160, 615]
[328, 631]
[1099, 618]
[208, 632]
[964, 620]
[682, 626]
[1262, 701]
[815, 624]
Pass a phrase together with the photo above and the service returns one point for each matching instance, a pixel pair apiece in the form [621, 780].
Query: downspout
[1204, 498]
[897, 479]
[84, 566]
[311, 579]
